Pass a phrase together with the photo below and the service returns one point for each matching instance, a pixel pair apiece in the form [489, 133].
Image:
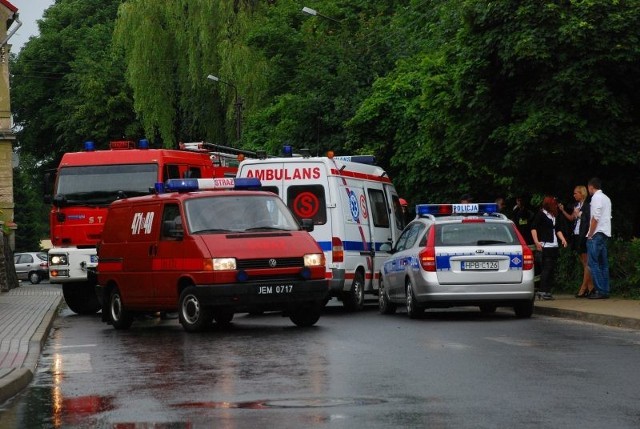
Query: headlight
[58, 260]
[314, 259]
[220, 264]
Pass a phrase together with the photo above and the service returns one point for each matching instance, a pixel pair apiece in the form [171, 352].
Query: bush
[624, 269]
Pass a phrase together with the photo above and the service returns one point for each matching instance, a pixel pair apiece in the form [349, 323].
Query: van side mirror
[59, 200]
[307, 225]
[47, 186]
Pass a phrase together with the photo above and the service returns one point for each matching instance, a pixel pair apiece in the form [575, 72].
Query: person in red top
[546, 230]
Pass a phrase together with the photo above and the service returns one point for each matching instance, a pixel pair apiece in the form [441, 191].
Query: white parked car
[32, 266]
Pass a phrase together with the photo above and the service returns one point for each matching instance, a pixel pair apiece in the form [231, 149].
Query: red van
[207, 255]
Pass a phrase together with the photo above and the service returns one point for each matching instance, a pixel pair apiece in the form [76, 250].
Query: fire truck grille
[247, 264]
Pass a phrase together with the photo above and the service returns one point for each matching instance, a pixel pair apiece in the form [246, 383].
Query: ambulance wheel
[413, 309]
[81, 298]
[354, 299]
[118, 316]
[306, 315]
[384, 305]
[192, 314]
[223, 316]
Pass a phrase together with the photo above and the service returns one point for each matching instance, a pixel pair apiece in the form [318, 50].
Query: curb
[601, 319]
[15, 380]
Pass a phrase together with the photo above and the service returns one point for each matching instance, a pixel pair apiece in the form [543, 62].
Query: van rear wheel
[119, 317]
[223, 316]
[354, 299]
[193, 315]
[306, 315]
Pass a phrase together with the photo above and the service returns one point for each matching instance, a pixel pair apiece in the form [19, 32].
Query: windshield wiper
[266, 228]
[215, 230]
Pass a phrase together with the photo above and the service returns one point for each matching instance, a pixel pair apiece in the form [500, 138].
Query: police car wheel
[524, 310]
[413, 309]
[118, 316]
[192, 314]
[354, 299]
[306, 315]
[385, 306]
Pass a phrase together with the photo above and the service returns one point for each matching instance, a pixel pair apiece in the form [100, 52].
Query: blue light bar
[456, 209]
[89, 146]
[143, 144]
[362, 159]
[287, 150]
[188, 185]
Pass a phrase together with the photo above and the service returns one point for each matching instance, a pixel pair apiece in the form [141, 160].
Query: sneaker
[547, 296]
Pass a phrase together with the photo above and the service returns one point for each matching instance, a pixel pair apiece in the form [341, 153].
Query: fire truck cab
[84, 185]
[208, 254]
[354, 207]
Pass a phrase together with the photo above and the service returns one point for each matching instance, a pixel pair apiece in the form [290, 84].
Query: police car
[458, 255]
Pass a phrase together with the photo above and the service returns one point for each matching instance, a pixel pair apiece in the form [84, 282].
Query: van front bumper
[263, 295]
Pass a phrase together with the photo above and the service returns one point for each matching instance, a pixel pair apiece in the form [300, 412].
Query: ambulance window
[171, 213]
[378, 208]
[399, 212]
[308, 202]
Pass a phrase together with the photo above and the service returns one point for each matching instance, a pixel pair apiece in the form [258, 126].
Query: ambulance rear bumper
[267, 295]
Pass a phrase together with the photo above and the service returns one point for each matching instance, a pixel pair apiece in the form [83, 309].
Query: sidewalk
[27, 313]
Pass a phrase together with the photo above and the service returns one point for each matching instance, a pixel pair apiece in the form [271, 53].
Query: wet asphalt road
[450, 369]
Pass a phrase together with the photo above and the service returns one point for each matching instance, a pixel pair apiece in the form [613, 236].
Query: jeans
[599, 262]
[549, 259]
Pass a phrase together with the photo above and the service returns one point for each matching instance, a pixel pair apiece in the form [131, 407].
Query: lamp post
[314, 12]
[238, 104]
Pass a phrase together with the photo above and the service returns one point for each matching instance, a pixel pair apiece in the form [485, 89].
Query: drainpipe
[12, 32]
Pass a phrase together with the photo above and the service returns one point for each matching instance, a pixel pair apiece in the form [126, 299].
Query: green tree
[66, 84]
[30, 212]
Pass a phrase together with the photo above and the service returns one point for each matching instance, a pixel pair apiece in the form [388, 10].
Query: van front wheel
[193, 315]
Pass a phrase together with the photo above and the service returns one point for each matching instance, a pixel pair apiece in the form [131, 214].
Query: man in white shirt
[597, 238]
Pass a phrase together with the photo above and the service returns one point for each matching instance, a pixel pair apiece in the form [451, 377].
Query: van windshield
[238, 213]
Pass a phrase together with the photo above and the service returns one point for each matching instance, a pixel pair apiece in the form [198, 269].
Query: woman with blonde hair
[580, 216]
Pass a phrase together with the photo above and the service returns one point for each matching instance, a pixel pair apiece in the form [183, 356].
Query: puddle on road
[285, 403]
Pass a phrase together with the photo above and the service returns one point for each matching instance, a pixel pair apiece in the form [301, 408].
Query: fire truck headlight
[58, 260]
[220, 264]
[314, 259]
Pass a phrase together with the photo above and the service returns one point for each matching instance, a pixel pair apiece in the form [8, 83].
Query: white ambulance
[354, 207]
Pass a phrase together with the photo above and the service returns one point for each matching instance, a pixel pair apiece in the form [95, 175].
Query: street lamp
[314, 12]
[238, 104]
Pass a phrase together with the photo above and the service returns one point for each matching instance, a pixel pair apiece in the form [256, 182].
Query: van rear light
[337, 250]
[527, 253]
[428, 254]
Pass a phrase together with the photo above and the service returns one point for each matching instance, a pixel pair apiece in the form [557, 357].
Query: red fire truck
[84, 185]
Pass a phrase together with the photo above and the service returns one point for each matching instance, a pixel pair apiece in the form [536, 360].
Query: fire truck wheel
[81, 298]
[223, 316]
[354, 299]
[192, 314]
[118, 316]
[306, 315]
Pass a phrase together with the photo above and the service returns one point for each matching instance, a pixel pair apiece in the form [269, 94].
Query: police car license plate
[275, 289]
[480, 266]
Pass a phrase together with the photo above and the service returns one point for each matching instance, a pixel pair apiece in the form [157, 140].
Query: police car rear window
[473, 234]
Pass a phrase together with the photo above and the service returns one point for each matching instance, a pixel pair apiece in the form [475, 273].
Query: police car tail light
[428, 254]
[527, 253]
[224, 264]
[314, 260]
[337, 250]
[188, 185]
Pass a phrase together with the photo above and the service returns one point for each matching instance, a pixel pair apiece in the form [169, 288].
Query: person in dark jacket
[579, 217]
[546, 231]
